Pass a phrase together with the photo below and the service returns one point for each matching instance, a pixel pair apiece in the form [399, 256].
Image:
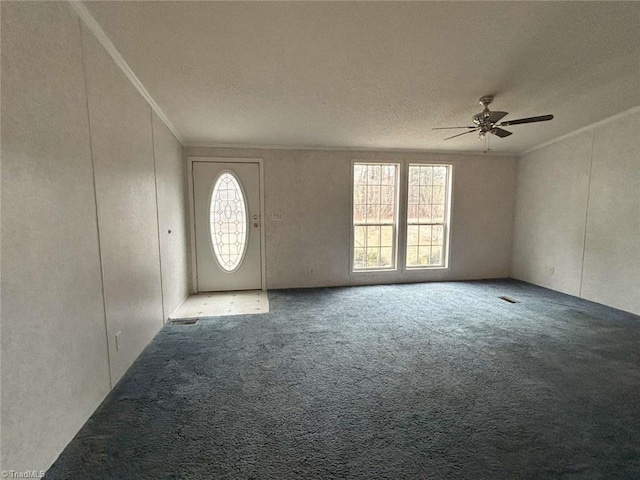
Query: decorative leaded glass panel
[228, 221]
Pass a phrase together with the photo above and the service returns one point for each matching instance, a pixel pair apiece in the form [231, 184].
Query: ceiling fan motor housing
[481, 118]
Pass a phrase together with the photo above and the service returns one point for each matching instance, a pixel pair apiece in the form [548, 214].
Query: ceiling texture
[377, 75]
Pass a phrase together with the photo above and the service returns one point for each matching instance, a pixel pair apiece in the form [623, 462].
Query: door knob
[255, 224]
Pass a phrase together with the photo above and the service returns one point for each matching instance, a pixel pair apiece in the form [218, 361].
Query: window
[375, 206]
[425, 209]
[228, 222]
[427, 212]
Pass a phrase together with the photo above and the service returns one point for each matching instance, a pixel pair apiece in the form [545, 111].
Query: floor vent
[507, 299]
[183, 321]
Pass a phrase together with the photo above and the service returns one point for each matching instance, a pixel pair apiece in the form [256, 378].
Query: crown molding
[589, 127]
[348, 149]
[91, 23]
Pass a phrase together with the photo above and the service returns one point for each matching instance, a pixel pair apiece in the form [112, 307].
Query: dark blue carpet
[421, 381]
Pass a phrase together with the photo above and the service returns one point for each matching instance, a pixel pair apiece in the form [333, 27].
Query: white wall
[578, 210]
[612, 246]
[79, 205]
[312, 189]
[173, 217]
[55, 367]
[551, 202]
[122, 145]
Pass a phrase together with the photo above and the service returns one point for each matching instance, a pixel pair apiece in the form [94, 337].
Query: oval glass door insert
[228, 221]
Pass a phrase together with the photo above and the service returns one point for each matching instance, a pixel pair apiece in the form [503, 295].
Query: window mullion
[401, 216]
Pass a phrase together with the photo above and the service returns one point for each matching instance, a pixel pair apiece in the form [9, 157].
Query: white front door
[226, 199]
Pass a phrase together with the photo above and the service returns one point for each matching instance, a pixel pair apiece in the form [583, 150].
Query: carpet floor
[420, 381]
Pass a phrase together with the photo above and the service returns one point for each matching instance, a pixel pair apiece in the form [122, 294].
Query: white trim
[192, 229]
[187, 196]
[193, 158]
[91, 23]
[403, 209]
[447, 223]
[452, 169]
[591, 126]
[400, 253]
[352, 269]
[248, 146]
[192, 225]
[263, 229]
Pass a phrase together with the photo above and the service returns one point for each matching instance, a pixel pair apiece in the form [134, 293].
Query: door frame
[192, 217]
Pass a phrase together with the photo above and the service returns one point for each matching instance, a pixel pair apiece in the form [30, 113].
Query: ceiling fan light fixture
[487, 122]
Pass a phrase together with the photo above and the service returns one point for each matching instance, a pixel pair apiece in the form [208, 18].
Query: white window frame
[445, 224]
[401, 219]
[396, 229]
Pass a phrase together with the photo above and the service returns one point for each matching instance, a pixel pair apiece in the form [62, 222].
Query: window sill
[374, 270]
[422, 269]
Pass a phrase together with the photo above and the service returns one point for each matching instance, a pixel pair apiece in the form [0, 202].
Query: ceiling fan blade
[463, 133]
[519, 121]
[449, 128]
[501, 133]
[497, 116]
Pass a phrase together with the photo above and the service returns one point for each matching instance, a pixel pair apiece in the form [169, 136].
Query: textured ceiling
[377, 74]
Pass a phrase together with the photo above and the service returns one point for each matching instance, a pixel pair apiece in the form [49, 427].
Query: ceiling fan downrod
[481, 118]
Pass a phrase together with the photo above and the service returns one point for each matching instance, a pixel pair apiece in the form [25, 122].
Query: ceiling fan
[487, 122]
